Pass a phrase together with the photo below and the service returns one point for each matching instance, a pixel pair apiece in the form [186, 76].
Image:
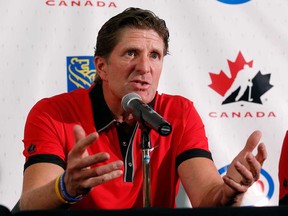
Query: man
[282, 172]
[83, 150]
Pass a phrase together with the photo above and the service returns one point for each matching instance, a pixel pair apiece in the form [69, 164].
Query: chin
[146, 97]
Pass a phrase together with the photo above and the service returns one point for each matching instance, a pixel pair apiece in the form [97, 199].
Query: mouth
[140, 84]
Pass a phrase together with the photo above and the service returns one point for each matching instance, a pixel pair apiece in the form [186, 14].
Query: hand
[245, 168]
[80, 177]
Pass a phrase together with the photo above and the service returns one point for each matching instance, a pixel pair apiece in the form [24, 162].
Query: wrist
[62, 193]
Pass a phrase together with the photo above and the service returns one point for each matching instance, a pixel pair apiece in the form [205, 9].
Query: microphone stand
[146, 146]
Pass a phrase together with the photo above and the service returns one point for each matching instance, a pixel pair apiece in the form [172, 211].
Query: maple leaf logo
[245, 83]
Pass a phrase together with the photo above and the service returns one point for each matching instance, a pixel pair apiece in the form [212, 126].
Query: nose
[143, 65]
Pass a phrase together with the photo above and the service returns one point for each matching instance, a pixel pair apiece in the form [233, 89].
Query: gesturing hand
[245, 168]
[80, 177]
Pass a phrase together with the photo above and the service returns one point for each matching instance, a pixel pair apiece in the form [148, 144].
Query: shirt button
[124, 143]
[130, 164]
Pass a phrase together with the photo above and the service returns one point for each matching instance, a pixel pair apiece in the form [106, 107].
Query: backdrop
[228, 57]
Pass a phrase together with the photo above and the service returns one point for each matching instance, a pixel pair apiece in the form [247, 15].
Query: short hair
[108, 35]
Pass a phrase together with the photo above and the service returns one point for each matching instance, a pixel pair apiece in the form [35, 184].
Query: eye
[131, 53]
[155, 55]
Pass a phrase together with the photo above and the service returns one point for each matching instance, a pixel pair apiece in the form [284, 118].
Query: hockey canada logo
[245, 82]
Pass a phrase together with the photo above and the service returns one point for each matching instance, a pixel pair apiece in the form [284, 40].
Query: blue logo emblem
[234, 2]
[263, 189]
[80, 72]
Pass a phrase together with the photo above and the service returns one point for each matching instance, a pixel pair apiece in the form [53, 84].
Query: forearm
[221, 195]
[208, 188]
[43, 197]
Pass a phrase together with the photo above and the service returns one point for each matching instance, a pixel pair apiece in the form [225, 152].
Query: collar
[102, 115]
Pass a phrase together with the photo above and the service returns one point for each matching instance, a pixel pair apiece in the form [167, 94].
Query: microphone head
[127, 98]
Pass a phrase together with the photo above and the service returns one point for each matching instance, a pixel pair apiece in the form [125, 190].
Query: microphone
[133, 103]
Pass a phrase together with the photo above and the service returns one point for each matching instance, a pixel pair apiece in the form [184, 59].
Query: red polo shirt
[49, 137]
[283, 172]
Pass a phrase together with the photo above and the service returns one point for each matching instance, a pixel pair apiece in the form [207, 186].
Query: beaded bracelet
[66, 196]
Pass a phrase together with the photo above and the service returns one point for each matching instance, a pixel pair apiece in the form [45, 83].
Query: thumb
[252, 141]
[79, 133]
[81, 140]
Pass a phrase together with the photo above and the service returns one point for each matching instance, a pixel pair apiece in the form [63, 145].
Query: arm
[283, 172]
[200, 180]
[40, 178]
[205, 187]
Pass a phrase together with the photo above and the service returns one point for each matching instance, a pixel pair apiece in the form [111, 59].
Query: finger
[254, 165]
[102, 170]
[81, 140]
[92, 182]
[89, 178]
[234, 185]
[79, 133]
[261, 154]
[252, 141]
[92, 160]
[247, 176]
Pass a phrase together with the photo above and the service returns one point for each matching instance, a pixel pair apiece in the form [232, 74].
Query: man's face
[134, 65]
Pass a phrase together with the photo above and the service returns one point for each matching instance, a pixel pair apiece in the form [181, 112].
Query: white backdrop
[207, 37]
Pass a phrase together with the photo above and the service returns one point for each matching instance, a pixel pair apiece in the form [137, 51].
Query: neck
[115, 106]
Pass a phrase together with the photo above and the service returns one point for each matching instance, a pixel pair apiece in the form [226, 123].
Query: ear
[101, 67]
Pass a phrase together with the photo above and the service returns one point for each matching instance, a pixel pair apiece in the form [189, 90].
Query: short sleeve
[43, 129]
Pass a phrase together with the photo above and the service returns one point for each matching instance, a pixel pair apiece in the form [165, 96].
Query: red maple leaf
[221, 82]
